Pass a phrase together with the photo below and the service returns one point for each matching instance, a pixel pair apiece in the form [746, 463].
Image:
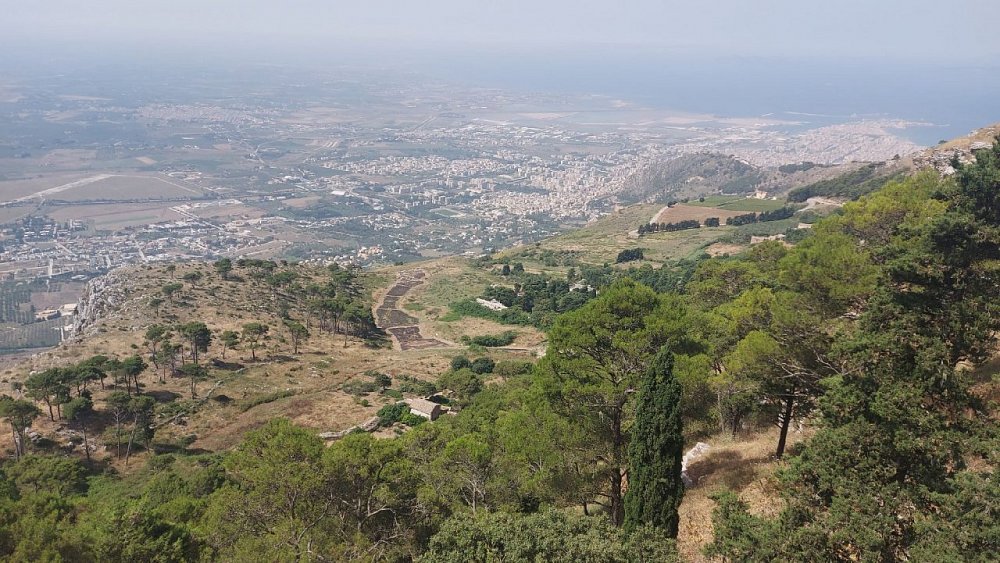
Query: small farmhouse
[422, 407]
[47, 315]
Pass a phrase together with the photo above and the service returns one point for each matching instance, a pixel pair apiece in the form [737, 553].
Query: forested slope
[874, 334]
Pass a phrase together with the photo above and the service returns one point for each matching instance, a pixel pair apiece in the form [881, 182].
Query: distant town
[417, 170]
[354, 169]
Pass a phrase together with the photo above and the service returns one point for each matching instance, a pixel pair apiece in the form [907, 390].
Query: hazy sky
[955, 30]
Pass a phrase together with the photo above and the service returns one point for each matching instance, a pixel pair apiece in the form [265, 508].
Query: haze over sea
[953, 98]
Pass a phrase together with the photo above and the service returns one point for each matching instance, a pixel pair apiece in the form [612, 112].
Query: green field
[767, 228]
[129, 218]
[454, 282]
[601, 241]
[737, 203]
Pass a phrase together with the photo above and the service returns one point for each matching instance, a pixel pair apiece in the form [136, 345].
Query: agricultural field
[15, 302]
[678, 245]
[224, 210]
[16, 189]
[18, 303]
[737, 203]
[111, 217]
[13, 213]
[599, 242]
[57, 294]
[766, 228]
[96, 187]
[19, 300]
[115, 187]
[682, 212]
[43, 334]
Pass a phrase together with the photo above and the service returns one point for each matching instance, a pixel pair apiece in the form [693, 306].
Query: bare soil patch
[721, 249]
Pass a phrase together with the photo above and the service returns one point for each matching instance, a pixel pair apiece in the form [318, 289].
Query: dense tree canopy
[883, 477]
[546, 536]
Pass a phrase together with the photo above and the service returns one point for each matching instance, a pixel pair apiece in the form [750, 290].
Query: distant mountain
[697, 175]
[872, 176]
[694, 175]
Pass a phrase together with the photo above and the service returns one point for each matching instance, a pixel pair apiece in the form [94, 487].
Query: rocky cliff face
[102, 298]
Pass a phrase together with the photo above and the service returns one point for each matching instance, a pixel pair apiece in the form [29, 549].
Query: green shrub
[391, 414]
[460, 362]
[359, 387]
[411, 419]
[483, 365]
[505, 338]
[470, 308]
[464, 383]
[512, 368]
[408, 384]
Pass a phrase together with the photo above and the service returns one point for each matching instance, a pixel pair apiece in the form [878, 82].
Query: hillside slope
[317, 386]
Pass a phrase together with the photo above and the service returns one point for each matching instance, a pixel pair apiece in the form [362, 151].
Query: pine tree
[596, 360]
[655, 488]
[888, 477]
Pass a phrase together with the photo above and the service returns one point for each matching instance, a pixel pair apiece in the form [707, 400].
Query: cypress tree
[655, 488]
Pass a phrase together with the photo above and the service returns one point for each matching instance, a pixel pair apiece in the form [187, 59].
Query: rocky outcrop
[369, 425]
[690, 457]
[102, 297]
[941, 160]
[962, 149]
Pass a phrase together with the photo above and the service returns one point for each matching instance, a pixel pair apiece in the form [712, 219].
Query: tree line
[783, 212]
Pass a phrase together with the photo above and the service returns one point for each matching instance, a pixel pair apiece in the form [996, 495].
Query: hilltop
[708, 173]
[961, 148]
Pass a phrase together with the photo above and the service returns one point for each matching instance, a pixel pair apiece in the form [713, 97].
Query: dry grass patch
[722, 249]
[745, 466]
[303, 387]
